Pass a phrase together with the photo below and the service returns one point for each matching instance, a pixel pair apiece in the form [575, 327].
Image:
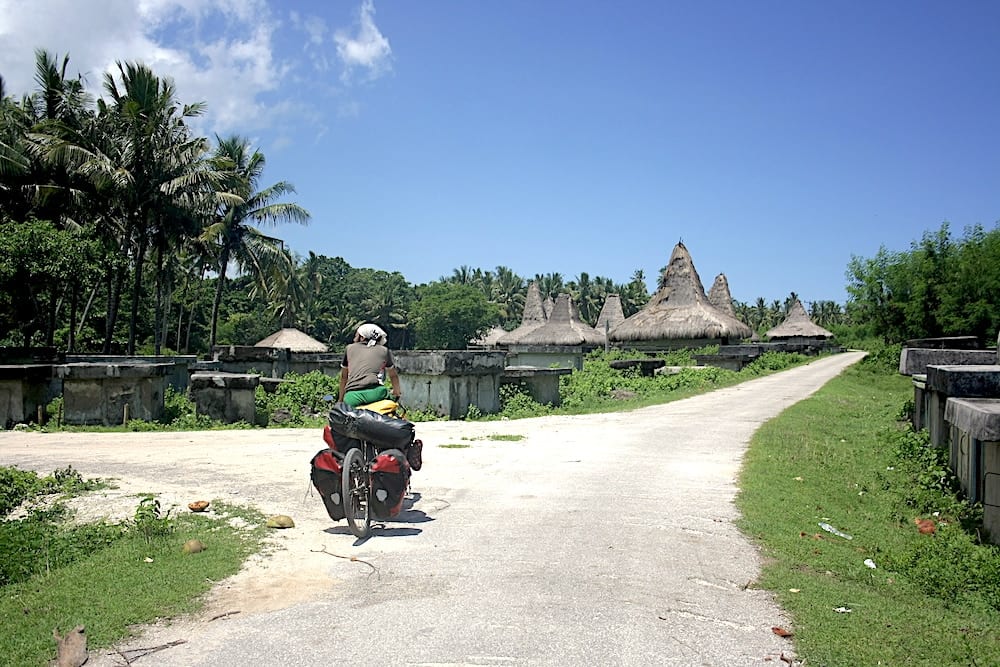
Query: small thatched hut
[798, 327]
[489, 339]
[294, 340]
[720, 296]
[564, 328]
[679, 314]
[611, 314]
[533, 317]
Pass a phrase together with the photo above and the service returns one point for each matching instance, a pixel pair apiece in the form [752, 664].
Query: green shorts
[365, 396]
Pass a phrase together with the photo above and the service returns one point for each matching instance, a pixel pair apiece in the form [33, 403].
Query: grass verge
[136, 579]
[842, 458]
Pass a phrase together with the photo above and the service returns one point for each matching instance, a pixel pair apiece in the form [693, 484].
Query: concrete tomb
[112, 393]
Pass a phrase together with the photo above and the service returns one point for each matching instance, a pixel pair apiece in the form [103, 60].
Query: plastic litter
[870, 563]
[842, 610]
[830, 529]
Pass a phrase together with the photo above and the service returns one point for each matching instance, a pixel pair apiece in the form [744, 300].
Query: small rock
[71, 648]
[193, 547]
[280, 521]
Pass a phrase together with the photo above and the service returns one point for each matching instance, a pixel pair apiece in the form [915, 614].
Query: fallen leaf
[781, 632]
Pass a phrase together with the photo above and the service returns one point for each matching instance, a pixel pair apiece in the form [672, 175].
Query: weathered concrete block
[176, 378]
[225, 397]
[545, 356]
[449, 362]
[542, 383]
[916, 360]
[991, 490]
[946, 343]
[975, 426]
[447, 382]
[23, 389]
[944, 382]
[109, 393]
[921, 402]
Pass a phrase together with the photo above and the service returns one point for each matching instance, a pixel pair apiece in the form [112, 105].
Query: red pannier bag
[325, 476]
[338, 441]
[390, 479]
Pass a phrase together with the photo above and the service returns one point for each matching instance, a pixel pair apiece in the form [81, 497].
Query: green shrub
[16, 486]
[772, 362]
[516, 403]
[38, 544]
[300, 396]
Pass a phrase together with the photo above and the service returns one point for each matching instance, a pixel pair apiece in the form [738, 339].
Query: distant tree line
[123, 231]
[941, 286]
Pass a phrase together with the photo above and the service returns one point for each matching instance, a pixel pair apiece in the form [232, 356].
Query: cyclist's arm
[343, 383]
[394, 379]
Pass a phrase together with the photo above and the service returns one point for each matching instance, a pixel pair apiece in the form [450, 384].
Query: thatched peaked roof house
[797, 325]
[294, 340]
[679, 313]
[611, 314]
[720, 296]
[563, 328]
[533, 317]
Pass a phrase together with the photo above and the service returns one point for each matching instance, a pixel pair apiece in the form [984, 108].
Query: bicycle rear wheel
[355, 486]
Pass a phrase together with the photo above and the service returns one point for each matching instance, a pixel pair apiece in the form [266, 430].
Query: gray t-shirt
[364, 364]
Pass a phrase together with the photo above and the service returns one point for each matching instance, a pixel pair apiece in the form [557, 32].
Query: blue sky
[777, 139]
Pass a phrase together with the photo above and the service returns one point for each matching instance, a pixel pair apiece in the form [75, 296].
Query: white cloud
[221, 52]
[367, 48]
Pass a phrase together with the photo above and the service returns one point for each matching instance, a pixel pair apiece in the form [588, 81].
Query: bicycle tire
[355, 489]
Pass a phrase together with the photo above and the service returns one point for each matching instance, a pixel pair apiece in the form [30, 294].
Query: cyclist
[366, 363]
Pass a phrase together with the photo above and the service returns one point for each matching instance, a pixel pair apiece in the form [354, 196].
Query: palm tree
[550, 284]
[582, 291]
[231, 232]
[386, 304]
[148, 163]
[508, 293]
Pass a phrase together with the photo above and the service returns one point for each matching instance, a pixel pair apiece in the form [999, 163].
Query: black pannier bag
[381, 430]
[325, 476]
[390, 479]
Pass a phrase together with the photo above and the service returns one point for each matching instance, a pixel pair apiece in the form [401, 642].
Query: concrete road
[594, 540]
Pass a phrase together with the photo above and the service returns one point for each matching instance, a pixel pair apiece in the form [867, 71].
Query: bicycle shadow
[383, 527]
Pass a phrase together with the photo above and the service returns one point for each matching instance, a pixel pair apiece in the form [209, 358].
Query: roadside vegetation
[107, 576]
[913, 584]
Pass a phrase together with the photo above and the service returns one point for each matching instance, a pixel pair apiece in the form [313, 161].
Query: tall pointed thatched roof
[720, 296]
[797, 323]
[611, 314]
[563, 328]
[533, 317]
[679, 310]
[294, 340]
